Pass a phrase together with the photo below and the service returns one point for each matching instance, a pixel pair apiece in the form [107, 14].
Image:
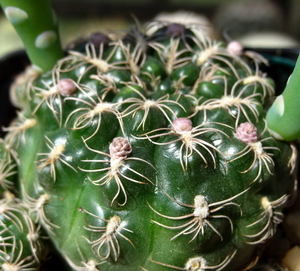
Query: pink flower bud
[247, 132]
[66, 87]
[119, 148]
[182, 125]
[235, 48]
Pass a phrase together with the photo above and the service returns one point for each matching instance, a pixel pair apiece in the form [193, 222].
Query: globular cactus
[149, 152]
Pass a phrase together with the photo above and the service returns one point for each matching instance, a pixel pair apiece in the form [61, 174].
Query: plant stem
[283, 118]
[36, 25]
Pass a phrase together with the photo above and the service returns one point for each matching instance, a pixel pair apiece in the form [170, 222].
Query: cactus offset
[148, 153]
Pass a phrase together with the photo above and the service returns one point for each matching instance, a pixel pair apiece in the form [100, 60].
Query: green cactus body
[152, 153]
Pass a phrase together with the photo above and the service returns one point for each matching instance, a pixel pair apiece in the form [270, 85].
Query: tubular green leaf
[36, 25]
[283, 118]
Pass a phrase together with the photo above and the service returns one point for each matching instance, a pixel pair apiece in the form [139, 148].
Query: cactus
[149, 152]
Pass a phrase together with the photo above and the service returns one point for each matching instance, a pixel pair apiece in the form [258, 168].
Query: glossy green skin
[158, 178]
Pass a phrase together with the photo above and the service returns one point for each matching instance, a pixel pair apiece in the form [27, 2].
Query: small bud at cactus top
[182, 125]
[247, 132]
[119, 148]
[66, 87]
[175, 30]
[98, 38]
[235, 48]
